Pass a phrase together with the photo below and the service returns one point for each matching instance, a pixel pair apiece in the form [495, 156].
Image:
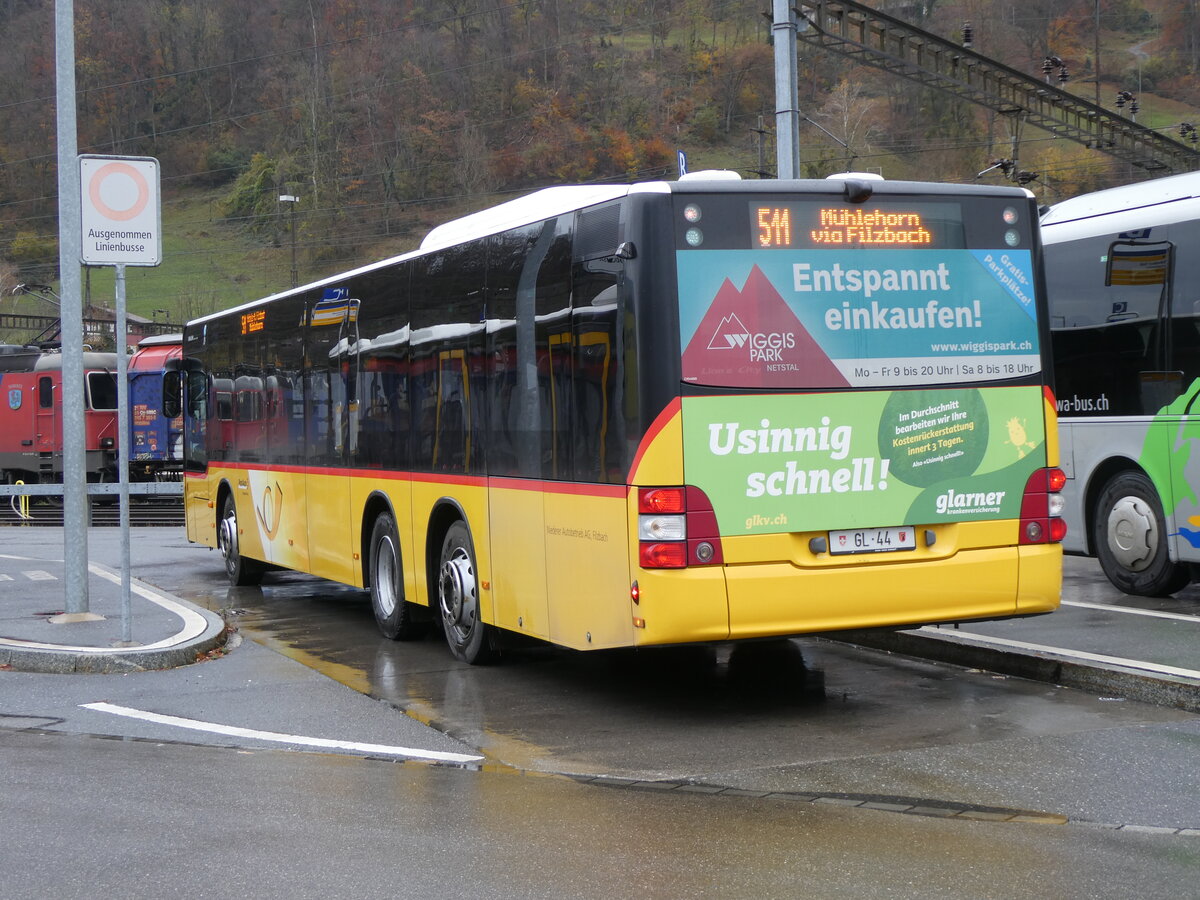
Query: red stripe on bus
[660, 422]
[521, 484]
[575, 489]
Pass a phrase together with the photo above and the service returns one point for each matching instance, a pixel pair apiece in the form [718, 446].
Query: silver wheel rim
[1132, 533]
[385, 576]
[227, 538]
[457, 596]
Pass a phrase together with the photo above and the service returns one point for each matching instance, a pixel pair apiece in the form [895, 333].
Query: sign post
[121, 226]
[71, 315]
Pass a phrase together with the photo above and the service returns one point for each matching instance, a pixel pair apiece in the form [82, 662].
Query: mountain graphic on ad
[751, 338]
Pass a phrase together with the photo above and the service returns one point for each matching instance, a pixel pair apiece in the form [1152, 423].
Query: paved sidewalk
[165, 631]
[1099, 640]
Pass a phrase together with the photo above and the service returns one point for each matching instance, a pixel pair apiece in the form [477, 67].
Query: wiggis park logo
[760, 346]
[749, 337]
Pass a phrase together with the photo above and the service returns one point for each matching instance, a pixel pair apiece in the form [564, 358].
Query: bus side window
[595, 321]
[382, 365]
[1185, 301]
[283, 365]
[556, 342]
[447, 358]
[598, 364]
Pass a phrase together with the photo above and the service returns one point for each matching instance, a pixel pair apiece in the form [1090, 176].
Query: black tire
[395, 616]
[242, 572]
[470, 640]
[1130, 534]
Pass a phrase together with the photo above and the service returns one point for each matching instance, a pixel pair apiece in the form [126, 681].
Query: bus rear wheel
[469, 638]
[242, 572]
[394, 615]
[1130, 534]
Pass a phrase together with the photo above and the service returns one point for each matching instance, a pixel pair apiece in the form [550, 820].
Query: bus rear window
[816, 293]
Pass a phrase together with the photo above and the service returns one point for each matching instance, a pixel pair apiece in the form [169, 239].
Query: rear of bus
[861, 434]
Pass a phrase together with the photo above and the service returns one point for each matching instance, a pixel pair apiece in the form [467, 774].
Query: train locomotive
[31, 421]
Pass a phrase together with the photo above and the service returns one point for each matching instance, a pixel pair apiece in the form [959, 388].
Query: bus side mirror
[172, 394]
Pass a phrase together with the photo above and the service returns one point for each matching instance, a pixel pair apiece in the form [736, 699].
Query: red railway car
[31, 423]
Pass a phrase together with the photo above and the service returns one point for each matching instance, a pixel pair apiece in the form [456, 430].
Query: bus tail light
[1042, 508]
[677, 528]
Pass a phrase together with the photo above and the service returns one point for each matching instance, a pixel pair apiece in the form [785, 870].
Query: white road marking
[278, 737]
[193, 625]
[1133, 610]
[1138, 664]
[38, 575]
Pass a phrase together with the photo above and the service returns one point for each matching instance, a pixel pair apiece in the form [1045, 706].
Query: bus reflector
[1042, 507]
[677, 528]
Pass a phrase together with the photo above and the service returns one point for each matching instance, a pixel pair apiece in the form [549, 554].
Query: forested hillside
[387, 116]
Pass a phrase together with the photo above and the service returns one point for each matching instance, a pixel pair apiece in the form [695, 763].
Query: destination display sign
[789, 225]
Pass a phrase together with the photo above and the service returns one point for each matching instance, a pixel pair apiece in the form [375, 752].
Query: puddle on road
[511, 711]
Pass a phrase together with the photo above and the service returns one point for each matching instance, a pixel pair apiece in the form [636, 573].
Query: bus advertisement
[648, 414]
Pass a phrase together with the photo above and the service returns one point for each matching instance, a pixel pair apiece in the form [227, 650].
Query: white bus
[1123, 277]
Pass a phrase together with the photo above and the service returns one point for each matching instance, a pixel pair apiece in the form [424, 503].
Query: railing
[151, 503]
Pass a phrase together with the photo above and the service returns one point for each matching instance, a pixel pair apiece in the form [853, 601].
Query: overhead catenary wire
[349, 235]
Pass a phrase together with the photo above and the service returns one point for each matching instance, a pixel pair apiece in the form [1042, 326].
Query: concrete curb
[181, 650]
[1107, 679]
[110, 661]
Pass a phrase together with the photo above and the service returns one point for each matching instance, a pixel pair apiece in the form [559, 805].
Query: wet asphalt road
[806, 715]
[810, 723]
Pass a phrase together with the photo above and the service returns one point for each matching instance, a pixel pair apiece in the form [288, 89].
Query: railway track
[143, 512]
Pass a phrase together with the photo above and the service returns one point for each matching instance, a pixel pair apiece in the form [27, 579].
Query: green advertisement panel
[780, 463]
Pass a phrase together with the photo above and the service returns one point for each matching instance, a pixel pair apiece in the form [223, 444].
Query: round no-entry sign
[121, 213]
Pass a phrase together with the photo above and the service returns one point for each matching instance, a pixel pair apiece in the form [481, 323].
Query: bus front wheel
[469, 638]
[241, 571]
[395, 616]
[1131, 538]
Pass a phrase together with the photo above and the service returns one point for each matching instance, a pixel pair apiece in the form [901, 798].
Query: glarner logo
[730, 334]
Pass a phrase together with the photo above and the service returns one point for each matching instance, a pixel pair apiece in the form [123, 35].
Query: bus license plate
[872, 540]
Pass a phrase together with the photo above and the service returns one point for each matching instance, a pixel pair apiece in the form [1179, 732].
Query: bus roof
[554, 201]
[1139, 196]
[535, 207]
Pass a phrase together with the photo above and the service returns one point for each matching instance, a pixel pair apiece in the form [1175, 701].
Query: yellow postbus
[667, 412]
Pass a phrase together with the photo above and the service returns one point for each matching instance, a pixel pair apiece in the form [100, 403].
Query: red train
[31, 426]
